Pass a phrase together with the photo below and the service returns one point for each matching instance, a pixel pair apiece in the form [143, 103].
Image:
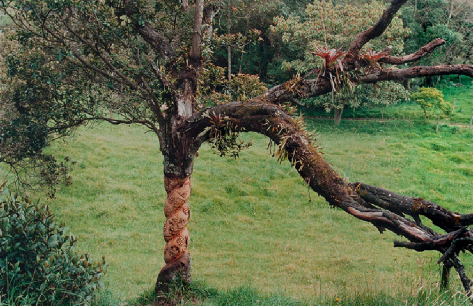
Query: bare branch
[441, 217]
[425, 50]
[373, 32]
[415, 72]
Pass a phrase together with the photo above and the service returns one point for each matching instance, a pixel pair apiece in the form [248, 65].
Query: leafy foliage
[38, 263]
[215, 88]
[430, 19]
[431, 100]
[365, 95]
[333, 26]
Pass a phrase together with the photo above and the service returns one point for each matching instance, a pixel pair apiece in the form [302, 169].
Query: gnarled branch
[375, 31]
[415, 72]
[425, 50]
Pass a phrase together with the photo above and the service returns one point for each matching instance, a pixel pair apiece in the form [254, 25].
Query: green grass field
[257, 232]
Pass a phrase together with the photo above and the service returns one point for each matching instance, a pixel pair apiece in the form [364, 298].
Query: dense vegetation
[38, 262]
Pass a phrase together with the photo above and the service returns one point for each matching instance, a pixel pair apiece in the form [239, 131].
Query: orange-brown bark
[176, 235]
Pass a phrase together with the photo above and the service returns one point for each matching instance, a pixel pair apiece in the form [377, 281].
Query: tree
[431, 100]
[363, 95]
[453, 22]
[327, 26]
[74, 59]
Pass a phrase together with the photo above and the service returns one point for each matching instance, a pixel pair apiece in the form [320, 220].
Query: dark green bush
[38, 264]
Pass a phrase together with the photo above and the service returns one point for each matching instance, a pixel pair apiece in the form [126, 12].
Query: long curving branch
[384, 209]
[422, 52]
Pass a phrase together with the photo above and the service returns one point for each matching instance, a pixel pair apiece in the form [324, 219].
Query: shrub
[431, 100]
[38, 264]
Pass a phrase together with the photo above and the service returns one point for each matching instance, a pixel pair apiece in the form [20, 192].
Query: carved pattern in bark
[177, 214]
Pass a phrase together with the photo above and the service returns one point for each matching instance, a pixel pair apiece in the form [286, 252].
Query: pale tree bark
[338, 112]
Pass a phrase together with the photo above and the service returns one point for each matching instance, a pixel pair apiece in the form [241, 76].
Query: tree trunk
[176, 235]
[338, 115]
[241, 59]
[445, 280]
[229, 62]
[407, 84]
[229, 48]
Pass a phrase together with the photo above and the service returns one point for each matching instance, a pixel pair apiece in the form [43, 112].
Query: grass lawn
[254, 224]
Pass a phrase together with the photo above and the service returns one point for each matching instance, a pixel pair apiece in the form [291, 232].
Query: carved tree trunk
[176, 235]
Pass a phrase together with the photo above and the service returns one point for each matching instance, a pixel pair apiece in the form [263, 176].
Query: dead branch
[375, 31]
[425, 50]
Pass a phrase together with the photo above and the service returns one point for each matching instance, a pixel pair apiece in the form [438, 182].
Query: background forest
[259, 235]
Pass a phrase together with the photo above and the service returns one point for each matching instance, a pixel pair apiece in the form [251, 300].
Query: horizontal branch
[425, 50]
[416, 72]
[441, 217]
[301, 88]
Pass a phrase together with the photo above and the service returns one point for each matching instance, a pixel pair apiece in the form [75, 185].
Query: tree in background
[73, 60]
[330, 26]
[452, 20]
[242, 29]
[363, 95]
[431, 101]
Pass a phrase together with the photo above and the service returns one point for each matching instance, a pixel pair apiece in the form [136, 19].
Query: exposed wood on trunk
[176, 235]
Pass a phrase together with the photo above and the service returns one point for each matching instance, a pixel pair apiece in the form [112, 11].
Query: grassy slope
[253, 222]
